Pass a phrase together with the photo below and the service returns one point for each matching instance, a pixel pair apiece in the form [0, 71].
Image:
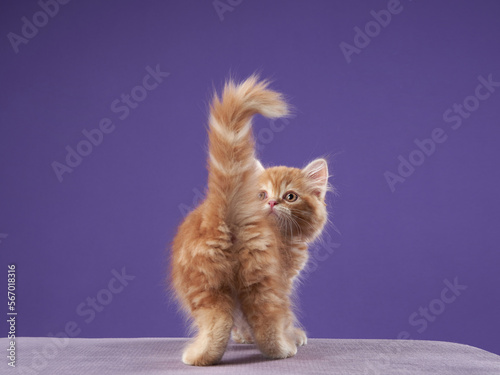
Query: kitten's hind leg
[267, 313]
[213, 320]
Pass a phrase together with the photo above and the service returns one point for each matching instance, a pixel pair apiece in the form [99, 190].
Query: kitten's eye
[290, 196]
[262, 195]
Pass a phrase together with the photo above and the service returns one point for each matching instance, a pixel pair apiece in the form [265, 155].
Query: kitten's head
[296, 198]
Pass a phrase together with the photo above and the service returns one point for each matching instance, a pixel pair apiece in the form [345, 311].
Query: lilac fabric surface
[321, 356]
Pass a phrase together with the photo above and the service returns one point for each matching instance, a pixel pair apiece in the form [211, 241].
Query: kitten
[235, 256]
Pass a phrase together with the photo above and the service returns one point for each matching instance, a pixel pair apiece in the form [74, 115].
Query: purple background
[120, 207]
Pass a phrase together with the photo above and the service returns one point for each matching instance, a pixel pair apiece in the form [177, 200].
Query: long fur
[233, 174]
[233, 261]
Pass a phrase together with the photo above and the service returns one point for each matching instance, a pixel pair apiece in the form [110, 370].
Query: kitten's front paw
[198, 355]
[241, 337]
[283, 348]
[300, 337]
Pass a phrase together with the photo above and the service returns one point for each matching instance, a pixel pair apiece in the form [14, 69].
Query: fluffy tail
[233, 172]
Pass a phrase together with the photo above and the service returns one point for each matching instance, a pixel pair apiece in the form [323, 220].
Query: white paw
[191, 355]
[196, 355]
[283, 348]
[291, 349]
[300, 337]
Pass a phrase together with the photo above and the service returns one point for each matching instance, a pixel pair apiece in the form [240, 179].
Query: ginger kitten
[235, 256]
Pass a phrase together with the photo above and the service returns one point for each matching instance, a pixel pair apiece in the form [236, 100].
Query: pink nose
[272, 203]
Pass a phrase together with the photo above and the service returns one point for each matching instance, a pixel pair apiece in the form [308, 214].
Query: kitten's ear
[259, 165]
[317, 173]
